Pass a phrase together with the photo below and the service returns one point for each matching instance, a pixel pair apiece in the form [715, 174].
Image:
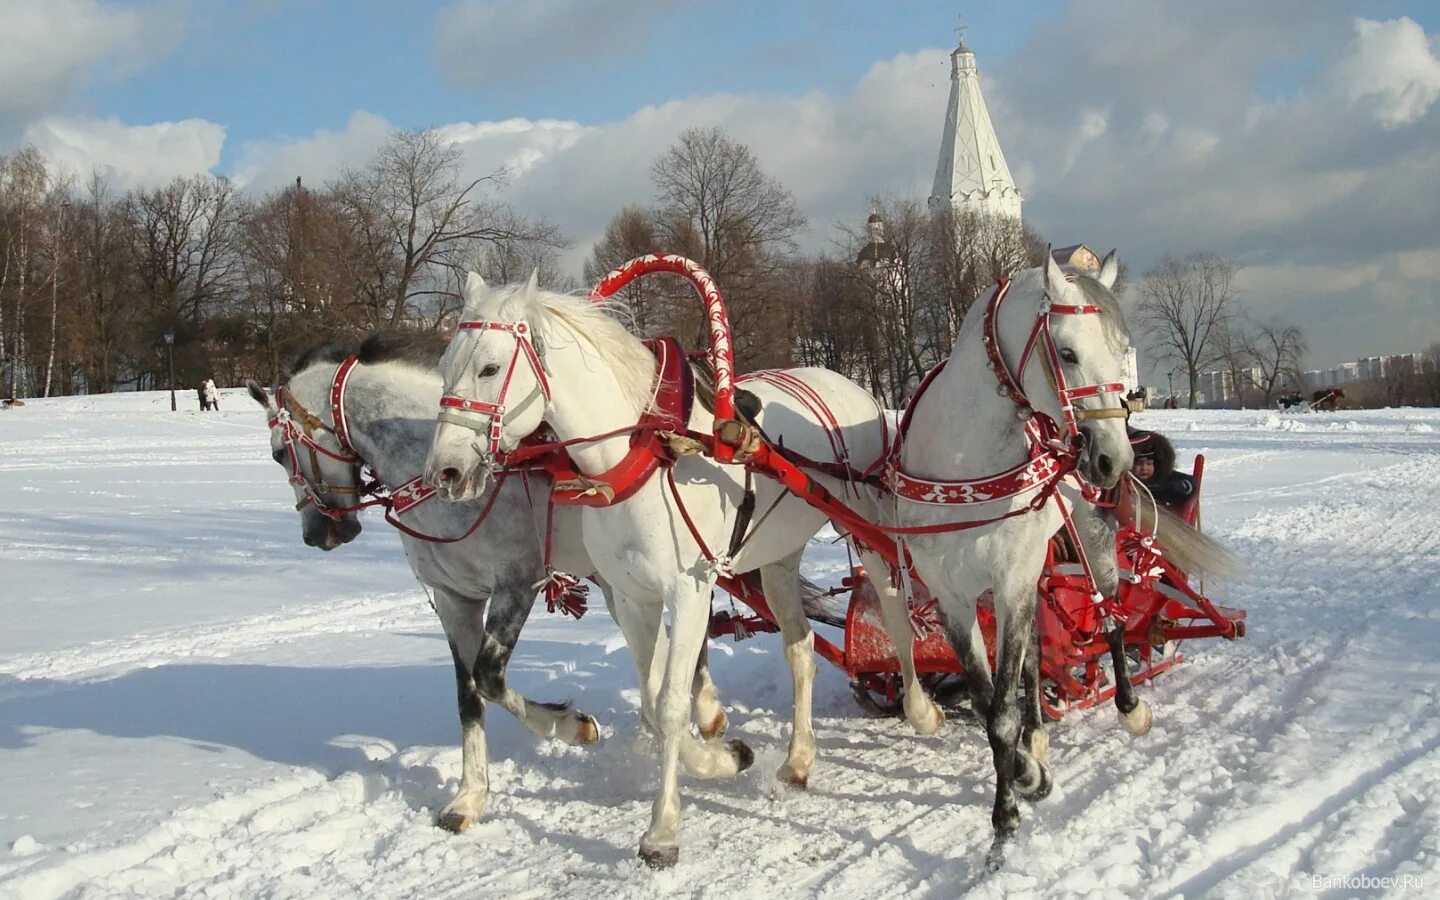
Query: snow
[194, 703]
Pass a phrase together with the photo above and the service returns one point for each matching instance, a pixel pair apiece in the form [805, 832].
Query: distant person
[200, 393]
[212, 395]
[1170, 402]
[1155, 467]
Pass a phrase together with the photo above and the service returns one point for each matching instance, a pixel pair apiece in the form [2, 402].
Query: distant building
[1077, 256]
[971, 175]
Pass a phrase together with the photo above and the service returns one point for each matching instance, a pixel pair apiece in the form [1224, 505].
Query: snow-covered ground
[193, 703]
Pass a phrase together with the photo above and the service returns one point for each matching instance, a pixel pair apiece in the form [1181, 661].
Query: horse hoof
[1040, 746]
[1042, 788]
[791, 778]
[744, 756]
[995, 859]
[660, 857]
[455, 822]
[1138, 720]
[716, 727]
[588, 731]
[931, 722]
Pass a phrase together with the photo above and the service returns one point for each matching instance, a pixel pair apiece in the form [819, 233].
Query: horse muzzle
[1101, 464]
[327, 533]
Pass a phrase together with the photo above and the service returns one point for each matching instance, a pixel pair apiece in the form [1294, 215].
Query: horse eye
[1067, 355]
[489, 371]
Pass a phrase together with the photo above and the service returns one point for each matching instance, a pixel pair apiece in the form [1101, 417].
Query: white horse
[483, 583]
[662, 548]
[1059, 347]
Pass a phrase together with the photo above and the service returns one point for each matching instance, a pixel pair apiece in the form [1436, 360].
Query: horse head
[1082, 346]
[320, 469]
[495, 389]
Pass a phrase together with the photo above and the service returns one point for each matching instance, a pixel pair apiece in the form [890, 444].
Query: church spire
[971, 173]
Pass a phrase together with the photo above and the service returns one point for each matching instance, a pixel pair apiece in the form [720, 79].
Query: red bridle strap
[495, 411]
[294, 436]
[1010, 382]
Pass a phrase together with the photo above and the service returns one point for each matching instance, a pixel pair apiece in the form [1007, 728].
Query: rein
[396, 502]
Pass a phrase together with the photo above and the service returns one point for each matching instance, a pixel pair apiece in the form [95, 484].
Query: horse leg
[507, 612]
[649, 649]
[968, 642]
[461, 620]
[1097, 534]
[689, 604]
[781, 581]
[709, 714]
[923, 713]
[1033, 736]
[1016, 771]
[646, 638]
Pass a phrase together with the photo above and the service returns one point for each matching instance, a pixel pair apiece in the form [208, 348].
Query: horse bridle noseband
[462, 411]
[287, 411]
[1010, 383]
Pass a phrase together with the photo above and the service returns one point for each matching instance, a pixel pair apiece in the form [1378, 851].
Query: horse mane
[419, 349]
[551, 314]
[1113, 318]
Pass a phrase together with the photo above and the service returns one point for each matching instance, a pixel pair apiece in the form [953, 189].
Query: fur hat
[1154, 446]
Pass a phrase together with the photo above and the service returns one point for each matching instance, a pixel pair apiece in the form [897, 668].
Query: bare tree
[411, 216]
[1277, 352]
[719, 207]
[966, 252]
[629, 235]
[1185, 306]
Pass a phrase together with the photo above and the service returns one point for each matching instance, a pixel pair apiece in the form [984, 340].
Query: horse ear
[261, 396]
[1109, 270]
[1054, 275]
[533, 284]
[473, 284]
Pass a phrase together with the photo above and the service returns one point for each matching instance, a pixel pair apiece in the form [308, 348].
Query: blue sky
[288, 67]
[1301, 137]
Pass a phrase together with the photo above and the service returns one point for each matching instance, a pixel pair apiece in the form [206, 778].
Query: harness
[397, 501]
[295, 436]
[1053, 449]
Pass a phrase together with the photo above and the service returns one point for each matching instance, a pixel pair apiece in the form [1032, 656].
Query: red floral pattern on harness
[1040, 470]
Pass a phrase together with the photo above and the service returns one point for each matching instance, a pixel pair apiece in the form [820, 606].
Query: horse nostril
[1105, 464]
[450, 474]
[309, 539]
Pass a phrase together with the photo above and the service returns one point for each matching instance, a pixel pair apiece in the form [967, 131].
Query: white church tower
[971, 174]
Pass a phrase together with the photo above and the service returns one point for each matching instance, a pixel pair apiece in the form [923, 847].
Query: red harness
[669, 412]
[397, 502]
[1051, 457]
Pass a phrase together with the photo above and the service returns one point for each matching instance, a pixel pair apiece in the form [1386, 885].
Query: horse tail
[1190, 549]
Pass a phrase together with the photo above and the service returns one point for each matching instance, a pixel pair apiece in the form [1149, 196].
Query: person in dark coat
[1155, 466]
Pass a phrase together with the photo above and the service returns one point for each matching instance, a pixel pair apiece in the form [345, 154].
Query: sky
[1300, 137]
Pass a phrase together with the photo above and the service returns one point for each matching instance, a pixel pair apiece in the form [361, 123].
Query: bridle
[1010, 382]
[462, 411]
[297, 434]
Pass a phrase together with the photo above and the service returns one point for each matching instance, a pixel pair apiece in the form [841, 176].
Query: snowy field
[193, 703]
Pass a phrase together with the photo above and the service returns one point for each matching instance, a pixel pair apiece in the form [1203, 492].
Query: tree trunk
[54, 319]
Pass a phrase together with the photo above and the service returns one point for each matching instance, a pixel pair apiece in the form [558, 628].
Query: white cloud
[128, 155]
[264, 165]
[1158, 149]
[1391, 65]
[48, 48]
